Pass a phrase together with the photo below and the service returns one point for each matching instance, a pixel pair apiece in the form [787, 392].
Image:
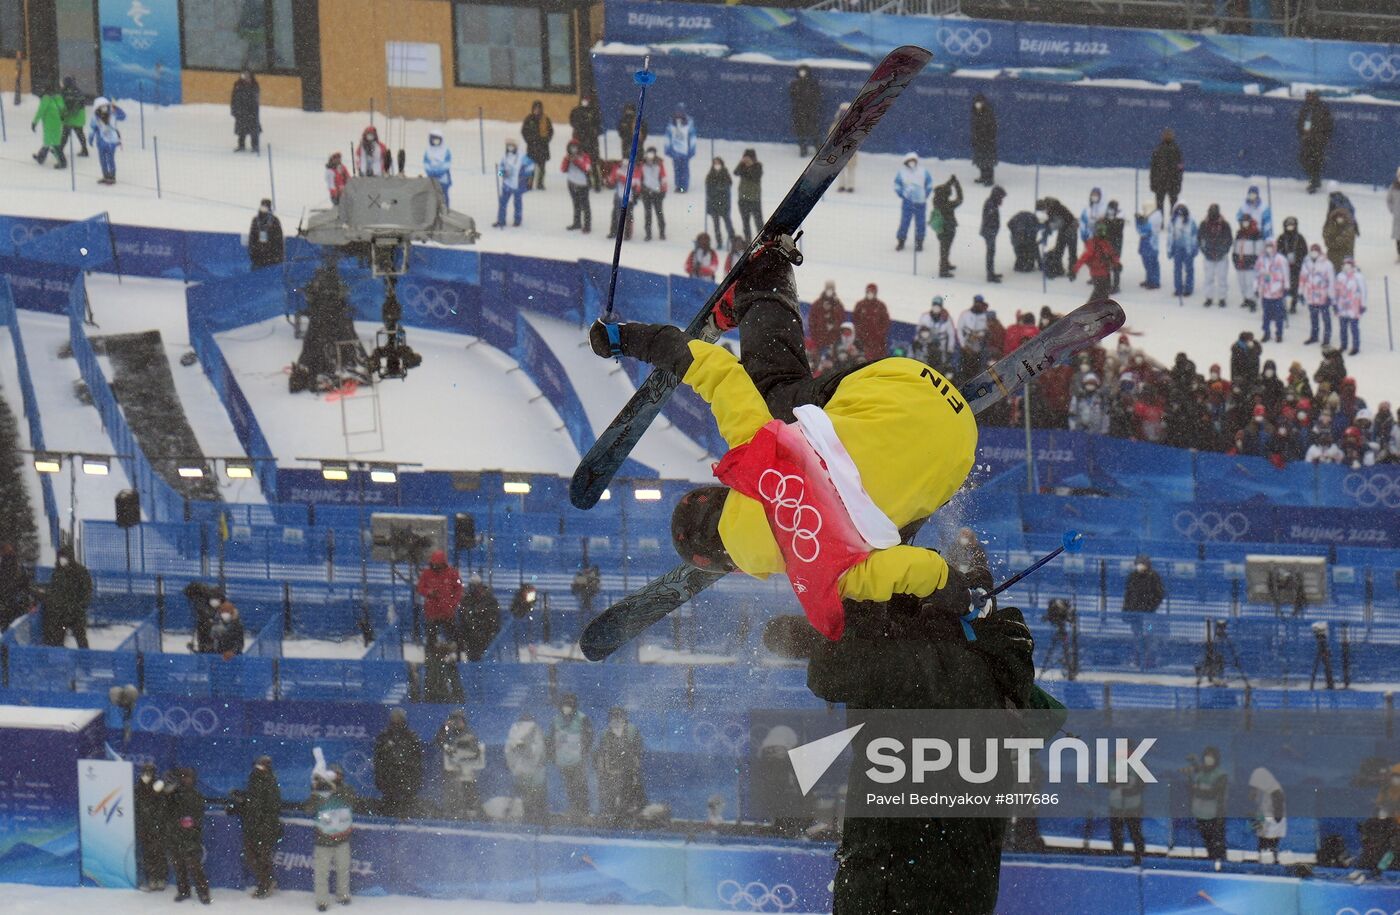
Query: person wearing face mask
[398, 767]
[337, 176]
[680, 145]
[991, 225]
[1244, 362]
[587, 123]
[184, 810]
[259, 807]
[1088, 410]
[749, 171]
[440, 586]
[265, 237]
[912, 185]
[513, 179]
[1294, 248]
[1216, 240]
[570, 746]
[576, 167]
[331, 806]
[1258, 212]
[371, 156]
[150, 848]
[618, 762]
[1149, 228]
[1271, 279]
[1339, 235]
[1270, 388]
[1143, 593]
[538, 131]
[1349, 296]
[1166, 171]
[66, 600]
[1314, 135]
[1248, 247]
[653, 191]
[947, 197]
[825, 317]
[846, 181]
[1209, 784]
[1101, 260]
[245, 104]
[227, 631]
[718, 200]
[871, 319]
[703, 261]
[1317, 285]
[437, 164]
[1092, 214]
[463, 759]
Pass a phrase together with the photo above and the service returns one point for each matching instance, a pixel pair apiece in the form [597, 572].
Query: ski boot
[769, 269]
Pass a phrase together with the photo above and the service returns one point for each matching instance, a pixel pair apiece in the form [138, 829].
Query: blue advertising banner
[143, 251]
[107, 823]
[641, 296]
[141, 50]
[1094, 51]
[86, 244]
[20, 230]
[1337, 526]
[551, 287]
[1040, 122]
[497, 311]
[37, 286]
[548, 374]
[438, 304]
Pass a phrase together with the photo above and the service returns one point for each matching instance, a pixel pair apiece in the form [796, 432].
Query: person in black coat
[66, 600]
[587, 122]
[184, 830]
[15, 597]
[1061, 221]
[1294, 248]
[480, 618]
[991, 225]
[984, 139]
[245, 105]
[1165, 174]
[265, 237]
[1142, 593]
[150, 815]
[537, 130]
[1024, 230]
[1113, 222]
[1244, 363]
[398, 766]
[259, 806]
[226, 632]
[912, 654]
[947, 197]
[806, 96]
[1314, 136]
[718, 196]
[75, 101]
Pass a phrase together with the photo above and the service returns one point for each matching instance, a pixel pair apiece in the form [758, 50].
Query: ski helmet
[695, 528]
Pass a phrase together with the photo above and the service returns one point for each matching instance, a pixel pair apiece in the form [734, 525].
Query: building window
[234, 34]
[513, 46]
[11, 27]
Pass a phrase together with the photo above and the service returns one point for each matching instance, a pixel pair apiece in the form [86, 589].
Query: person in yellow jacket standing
[823, 472]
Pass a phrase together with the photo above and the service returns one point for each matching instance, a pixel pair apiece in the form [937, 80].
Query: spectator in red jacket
[825, 318]
[1101, 260]
[1018, 333]
[336, 176]
[702, 262]
[872, 322]
[441, 587]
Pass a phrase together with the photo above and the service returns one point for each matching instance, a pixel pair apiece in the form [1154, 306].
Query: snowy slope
[467, 406]
[850, 237]
[9, 382]
[604, 388]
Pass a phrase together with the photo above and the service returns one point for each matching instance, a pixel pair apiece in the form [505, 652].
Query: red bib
[781, 471]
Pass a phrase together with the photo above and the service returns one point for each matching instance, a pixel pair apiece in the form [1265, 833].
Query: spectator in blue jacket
[913, 185]
[1149, 226]
[680, 145]
[437, 163]
[513, 174]
[1255, 208]
[1182, 246]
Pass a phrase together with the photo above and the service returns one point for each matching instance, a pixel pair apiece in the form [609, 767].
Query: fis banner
[107, 823]
[141, 50]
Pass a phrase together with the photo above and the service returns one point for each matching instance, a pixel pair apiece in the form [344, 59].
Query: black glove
[955, 597]
[791, 636]
[1005, 639]
[662, 345]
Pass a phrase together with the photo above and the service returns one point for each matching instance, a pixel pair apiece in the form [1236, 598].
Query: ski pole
[1071, 542]
[643, 77]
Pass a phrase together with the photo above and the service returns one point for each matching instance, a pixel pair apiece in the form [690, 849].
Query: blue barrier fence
[1157, 55]
[145, 638]
[1040, 123]
[30, 405]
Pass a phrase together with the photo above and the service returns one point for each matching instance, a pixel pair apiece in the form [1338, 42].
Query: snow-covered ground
[850, 237]
[21, 899]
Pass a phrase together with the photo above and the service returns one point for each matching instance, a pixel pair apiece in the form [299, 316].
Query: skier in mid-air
[823, 472]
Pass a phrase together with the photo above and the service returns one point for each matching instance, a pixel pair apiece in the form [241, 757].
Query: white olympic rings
[756, 896]
[964, 42]
[177, 720]
[1211, 525]
[791, 514]
[1370, 490]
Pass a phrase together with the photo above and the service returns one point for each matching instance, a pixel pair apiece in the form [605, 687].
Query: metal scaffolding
[894, 7]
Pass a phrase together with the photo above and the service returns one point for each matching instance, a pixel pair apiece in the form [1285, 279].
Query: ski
[895, 72]
[635, 613]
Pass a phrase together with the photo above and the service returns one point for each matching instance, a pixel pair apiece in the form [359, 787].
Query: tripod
[1212, 664]
[1322, 657]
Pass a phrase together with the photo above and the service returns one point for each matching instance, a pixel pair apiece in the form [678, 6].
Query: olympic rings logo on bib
[785, 492]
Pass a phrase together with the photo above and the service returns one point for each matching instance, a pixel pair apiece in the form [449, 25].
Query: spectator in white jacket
[1088, 411]
[437, 163]
[1092, 215]
[680, 145]
[1350, 298]
[513, 174]
[525, 758]
[1316, 285]
[913, 185]
[1271, 278]
[1323, 450]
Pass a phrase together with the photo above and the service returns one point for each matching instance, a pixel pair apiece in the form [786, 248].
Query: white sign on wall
[414, 64]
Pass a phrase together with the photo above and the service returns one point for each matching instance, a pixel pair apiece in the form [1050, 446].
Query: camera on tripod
[1061, 614]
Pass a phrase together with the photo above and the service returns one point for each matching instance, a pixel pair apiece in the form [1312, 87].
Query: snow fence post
[1389, 331]
[72, 165]
[271, 181]
[4, 137]
[1269, 190]
[155, 145]
[481, 132]
[141, 106]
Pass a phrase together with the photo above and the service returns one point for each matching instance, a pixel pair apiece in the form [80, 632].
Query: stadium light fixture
[238, 470]
[48, 463]
[516, 487]
[383, 473]
[335, 471]
[190, 471]
[647, 495]
[96, 466]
